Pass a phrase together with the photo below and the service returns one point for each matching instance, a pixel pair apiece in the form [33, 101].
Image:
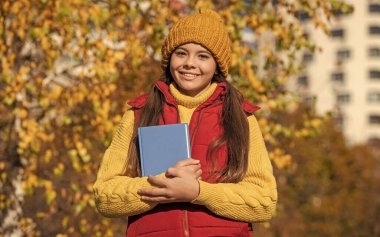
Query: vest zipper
[185, 224]
[185, 217]
[196, 127]
[198, 120]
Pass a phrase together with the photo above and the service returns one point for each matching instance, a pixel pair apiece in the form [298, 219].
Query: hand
[189, 165]
[181, 185]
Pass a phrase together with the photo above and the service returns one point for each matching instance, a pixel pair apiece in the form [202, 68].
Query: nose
[189, 62]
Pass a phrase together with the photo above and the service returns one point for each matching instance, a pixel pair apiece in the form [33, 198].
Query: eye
[179, 53]
[204, 56]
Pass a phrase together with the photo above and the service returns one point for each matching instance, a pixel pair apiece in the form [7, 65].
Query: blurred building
[345, 77]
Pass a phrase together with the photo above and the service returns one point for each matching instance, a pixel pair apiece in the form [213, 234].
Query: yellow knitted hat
[206, 28]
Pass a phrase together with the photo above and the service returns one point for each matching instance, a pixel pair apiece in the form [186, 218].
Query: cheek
[173, 74]
[175, 62]
[172, 67]
[209, 70]
[209, 67]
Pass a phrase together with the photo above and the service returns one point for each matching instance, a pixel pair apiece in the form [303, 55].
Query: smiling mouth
[189, 75]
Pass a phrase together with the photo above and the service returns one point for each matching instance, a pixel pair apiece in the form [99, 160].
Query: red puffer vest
[186, 219]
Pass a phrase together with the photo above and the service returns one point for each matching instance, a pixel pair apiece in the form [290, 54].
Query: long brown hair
[235, 124]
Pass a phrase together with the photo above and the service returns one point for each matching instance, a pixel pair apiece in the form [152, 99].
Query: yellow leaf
[21, 33]
[22, 113]
[119, 55]
[315, 123]
[5, 66]
[55, 92]
[64, 223]
[45, 43]
[41, 215]
[50, 196]
[59, 169]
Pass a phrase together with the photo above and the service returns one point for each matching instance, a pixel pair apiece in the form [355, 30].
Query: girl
[228, 183]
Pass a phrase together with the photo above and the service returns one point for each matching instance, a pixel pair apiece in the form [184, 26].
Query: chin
[187, 89]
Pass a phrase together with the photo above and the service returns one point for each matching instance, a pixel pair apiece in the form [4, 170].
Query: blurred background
[67, 69]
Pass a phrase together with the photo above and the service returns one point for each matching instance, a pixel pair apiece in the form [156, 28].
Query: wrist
[198, 192]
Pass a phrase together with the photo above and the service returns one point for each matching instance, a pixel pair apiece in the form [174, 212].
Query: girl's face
[192, 66]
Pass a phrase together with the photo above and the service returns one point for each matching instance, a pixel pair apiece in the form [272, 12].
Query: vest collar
[249, 108]
[164, 88]
[219, 92]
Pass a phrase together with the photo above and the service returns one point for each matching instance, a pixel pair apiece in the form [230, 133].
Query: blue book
[162, 146]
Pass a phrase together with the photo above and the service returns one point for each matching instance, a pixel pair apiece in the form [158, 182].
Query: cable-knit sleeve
[255, 197]
[116, 194]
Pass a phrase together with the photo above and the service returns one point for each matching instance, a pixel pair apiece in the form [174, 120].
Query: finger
[157, 181]
[195, 168]
[152, 192]
[186, 162]
[178, 172]
[157, 199]
[198, 174]
[172, 172]
[191, 169]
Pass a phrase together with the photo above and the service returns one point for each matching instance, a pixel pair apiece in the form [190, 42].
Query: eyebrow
[199, 51]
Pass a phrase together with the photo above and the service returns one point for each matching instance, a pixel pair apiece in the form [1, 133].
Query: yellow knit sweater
[253, 199]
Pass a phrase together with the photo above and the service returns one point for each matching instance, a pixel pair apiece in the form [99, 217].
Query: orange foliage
[68, 67]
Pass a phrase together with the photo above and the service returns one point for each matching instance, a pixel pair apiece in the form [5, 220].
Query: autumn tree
[330, 189]
[68, 67]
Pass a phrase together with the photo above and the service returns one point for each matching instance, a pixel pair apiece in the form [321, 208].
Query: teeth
[189, 75]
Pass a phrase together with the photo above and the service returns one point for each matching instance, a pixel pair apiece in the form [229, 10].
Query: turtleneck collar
[188, 101]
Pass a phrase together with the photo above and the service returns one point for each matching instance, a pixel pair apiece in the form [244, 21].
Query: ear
[218, 71]
[218, 75]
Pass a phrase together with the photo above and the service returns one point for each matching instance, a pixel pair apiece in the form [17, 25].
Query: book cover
[162, 146]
